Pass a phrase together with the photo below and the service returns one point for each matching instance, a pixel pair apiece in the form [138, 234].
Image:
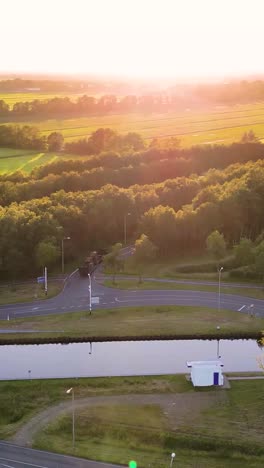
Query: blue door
[216, 378]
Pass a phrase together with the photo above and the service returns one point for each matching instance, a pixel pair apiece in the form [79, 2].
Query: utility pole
[71, 390]
[90, 293]
[125, 228]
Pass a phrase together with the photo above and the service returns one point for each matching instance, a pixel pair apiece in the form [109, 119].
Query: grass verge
[226, 430]
[28, 292]
[134, 284]
[134, 321]
[20, 400]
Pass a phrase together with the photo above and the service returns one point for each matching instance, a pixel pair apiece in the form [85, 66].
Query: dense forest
[176, 197]
[177, 215]
[149, 166]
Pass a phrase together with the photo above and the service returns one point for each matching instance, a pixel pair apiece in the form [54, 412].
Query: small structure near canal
[206, 373]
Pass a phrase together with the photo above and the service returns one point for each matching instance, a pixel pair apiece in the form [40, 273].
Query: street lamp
[125, 227]
[62, 252]
[90, 293]
[218, 343]
[219, 288]
[71, 390]
[173, 455]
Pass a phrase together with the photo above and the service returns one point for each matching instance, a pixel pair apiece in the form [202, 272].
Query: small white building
[206, 373]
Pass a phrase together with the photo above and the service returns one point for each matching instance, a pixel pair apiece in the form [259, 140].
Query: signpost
[95, 300]
[44, 280]
[41, 279]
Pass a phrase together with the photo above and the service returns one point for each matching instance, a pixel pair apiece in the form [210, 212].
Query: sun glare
[139, 38]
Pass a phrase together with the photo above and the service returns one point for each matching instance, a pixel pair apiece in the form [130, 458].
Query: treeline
[23, 85]
[140, 168]
[231, 93]
[103, 139]
[29, 137]
[89, 105]
[174, 98]
[177, 216]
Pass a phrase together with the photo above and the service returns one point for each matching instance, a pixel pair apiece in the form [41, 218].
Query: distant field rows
[191, 127]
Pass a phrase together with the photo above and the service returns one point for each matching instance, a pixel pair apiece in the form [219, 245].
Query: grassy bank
[20, 400]
[136, 321]
[226, 430]
[28, 292]
[134, 284]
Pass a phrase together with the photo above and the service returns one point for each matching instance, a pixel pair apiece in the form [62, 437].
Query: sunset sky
[133, 38]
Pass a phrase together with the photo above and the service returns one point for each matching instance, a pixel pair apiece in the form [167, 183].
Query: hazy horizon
[139, 39]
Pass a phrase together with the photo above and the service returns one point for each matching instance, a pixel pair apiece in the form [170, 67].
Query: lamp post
[218, 343]
[173, 455]
[125, 227]
[90, 293]
[219, 288]
[71, 390]
[62, 252]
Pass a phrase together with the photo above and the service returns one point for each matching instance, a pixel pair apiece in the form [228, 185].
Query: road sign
[41, 279]
[95, 300]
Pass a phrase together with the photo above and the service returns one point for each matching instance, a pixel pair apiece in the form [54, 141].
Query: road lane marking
[23, 463]
[7, 466]
[241, 308]
[35, 308]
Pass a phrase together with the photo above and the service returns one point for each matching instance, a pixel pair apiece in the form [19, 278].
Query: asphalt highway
[75, 297]
[13, 456]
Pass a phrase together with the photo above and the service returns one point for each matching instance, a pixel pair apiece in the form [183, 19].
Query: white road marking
[7, 466]
[241, 308]
[35, 308]
[23, 463]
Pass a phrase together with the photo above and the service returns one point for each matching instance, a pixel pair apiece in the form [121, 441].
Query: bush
[208, 267]
[245, 272]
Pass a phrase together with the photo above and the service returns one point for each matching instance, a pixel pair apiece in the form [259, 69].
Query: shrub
[245, 272]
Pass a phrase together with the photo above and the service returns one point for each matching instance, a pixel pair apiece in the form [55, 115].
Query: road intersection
[75, 297]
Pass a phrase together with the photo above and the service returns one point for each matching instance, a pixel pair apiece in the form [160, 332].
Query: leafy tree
[112, 261]
[216, 245]
[133, 140]
[46, 254]
[145, 251]
[103, 139]
[55, 141]
[259, 259]
[244, 253]
[249, 137]
[4, 107]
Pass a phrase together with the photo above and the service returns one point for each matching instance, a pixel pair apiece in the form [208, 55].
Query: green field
[205, 427]
[192, 127]
[228, 424]
[20, 400]
[12, 98]
[12, 160]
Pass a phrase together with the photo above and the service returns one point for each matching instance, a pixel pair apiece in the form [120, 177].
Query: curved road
[75, 296]
[12, 456]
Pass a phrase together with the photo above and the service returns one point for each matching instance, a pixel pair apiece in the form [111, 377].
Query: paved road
[12, 456]
[76, 297]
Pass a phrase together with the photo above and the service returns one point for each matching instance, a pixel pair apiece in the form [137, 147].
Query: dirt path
[177, 407]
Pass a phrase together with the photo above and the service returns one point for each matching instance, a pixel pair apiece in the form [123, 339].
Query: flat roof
[204, 363]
